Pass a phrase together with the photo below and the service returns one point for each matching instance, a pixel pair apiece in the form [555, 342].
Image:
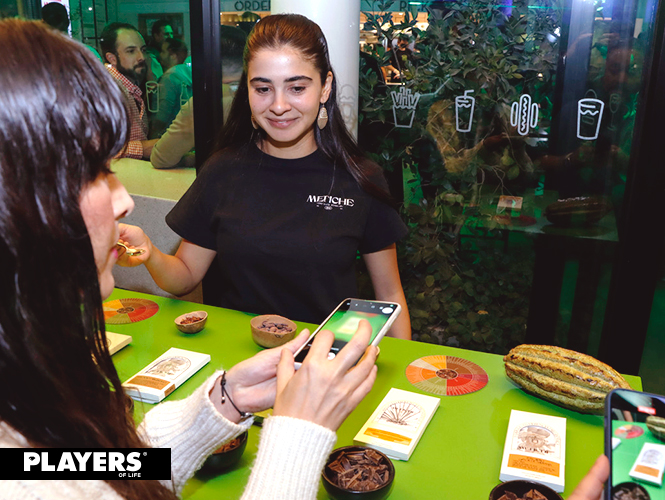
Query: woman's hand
[133, 237]
[591, 487]
[325, 391]
[252, 383]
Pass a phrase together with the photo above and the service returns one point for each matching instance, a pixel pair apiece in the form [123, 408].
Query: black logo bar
[85, 463]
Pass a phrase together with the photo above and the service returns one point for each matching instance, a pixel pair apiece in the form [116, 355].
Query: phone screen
[635, 445]
[343, 322]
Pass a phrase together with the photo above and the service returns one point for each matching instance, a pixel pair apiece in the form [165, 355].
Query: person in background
[247, 21]
[58, 233]
[401, 54]
[175, 85]
[55, 14]
[161, 31]
[173, 148]
[288, 200]
[123, 48]
[174, 51]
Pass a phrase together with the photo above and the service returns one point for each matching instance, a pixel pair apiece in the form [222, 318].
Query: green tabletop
[458, 457]
[624, 456]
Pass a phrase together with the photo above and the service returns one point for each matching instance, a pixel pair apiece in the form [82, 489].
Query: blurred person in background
[124, 50]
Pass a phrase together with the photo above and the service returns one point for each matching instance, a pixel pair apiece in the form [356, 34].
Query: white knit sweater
[288, 465]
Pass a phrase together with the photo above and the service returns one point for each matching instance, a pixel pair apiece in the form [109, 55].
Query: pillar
[340, 22]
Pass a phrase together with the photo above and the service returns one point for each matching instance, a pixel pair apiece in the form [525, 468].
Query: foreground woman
[59, 212]
[289, 200]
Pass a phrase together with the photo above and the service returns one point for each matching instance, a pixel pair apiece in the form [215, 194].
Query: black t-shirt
[286, 231]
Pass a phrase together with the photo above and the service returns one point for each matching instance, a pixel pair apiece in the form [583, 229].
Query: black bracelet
[225, 395]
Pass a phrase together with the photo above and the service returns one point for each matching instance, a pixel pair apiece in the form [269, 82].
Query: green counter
[458, 457]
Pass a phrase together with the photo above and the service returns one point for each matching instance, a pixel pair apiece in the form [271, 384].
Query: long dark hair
[299, 33]
[62, 118]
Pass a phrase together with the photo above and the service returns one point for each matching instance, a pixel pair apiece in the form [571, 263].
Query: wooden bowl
[266, 338]
[193, 327]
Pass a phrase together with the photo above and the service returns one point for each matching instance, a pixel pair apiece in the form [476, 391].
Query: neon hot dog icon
[524, 114]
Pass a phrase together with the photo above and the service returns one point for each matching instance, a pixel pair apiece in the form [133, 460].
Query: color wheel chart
[629, 431]
[124, 311]
[446, 375]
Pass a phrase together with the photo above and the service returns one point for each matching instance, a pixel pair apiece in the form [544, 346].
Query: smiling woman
[285, 96]
[263, 203]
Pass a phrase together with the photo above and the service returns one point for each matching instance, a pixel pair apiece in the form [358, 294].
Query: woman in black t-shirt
[286, 170]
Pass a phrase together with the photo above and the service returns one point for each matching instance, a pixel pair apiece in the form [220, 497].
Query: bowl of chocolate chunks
[358, 472]
[271, 330]
[225, 457]
[629, 491]
[523, 490]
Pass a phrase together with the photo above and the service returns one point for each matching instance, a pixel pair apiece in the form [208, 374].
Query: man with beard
[123, 48]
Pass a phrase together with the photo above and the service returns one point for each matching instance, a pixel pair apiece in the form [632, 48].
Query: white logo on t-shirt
[329, 202]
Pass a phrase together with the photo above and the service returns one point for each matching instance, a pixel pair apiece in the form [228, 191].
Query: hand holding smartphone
[344, 320]
[635, 445]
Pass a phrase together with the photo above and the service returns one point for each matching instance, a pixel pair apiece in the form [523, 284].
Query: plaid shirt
[137, 115]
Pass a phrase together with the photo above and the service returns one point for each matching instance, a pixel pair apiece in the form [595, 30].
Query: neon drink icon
[589, 114]
[524, 114]
[464, 106]
[152, 89]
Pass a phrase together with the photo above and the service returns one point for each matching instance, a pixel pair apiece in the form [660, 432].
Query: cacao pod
[576, 212]
[563, 377]
[657, 426]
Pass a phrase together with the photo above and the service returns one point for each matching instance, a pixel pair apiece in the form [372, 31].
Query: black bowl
[225, 456]
[521, 488]
[338, 493]
[631, 486]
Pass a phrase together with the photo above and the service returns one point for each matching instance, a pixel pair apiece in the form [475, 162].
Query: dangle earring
[322, 119]
[254, 124]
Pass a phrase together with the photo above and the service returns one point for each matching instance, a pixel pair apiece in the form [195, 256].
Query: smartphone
[344, 320]
[635, 445]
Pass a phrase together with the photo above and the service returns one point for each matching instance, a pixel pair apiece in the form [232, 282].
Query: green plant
[466, 282]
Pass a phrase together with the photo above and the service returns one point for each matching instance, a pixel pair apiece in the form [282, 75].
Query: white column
[340, 22]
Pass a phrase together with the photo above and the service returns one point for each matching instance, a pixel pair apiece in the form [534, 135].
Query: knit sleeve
[291, 456]
[192, 428]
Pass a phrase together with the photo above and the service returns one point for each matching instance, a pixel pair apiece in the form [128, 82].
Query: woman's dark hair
[62, 118]
[299, 33]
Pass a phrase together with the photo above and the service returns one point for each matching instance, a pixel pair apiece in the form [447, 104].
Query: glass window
[506, 127]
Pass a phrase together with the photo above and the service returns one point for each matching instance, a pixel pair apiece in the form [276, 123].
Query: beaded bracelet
[225, 396]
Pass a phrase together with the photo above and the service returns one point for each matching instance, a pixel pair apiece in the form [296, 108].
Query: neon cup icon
[464, 106]
[589, 114]
[524, 114]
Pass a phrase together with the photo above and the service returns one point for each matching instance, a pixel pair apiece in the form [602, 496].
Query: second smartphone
[344, 321]
[634, 443]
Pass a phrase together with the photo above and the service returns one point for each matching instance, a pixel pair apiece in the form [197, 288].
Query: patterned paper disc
[446, 375]
[629, 431]
[124, 311]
